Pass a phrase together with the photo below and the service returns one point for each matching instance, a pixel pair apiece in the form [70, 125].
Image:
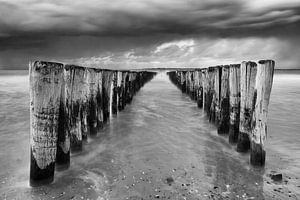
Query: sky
[149, 33]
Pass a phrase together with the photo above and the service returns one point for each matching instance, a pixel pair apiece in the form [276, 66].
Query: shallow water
[160, 146]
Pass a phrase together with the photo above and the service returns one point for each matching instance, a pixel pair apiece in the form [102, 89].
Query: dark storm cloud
[231, 18]
[118, 31]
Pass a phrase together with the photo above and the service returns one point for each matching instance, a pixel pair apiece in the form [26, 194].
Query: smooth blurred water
[161, 144]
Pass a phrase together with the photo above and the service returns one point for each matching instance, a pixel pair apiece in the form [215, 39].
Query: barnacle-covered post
[45, 95]
[263, 86]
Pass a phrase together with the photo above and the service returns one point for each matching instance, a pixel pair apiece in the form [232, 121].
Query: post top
[266, 61]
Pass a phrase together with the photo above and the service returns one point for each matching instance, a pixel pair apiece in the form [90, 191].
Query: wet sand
[160, 147]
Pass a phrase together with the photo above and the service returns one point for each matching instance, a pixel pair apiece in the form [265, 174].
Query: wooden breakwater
[235, 98]
[68, 103]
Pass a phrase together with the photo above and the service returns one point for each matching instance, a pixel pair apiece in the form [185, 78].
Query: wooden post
[92, 101]
[63, 139]
[210, 93]
[234, 100]
[192, 85]
[263, 86]
[84, 107]
[183, 81]
[199, 90]
[119, 89]
[216, 97]
[74, 92]
[45, 96]
[122, 92]
[106, 93]
[115, 93]
[205, 88]
[223, 127]
[248, 76]
[99, 98]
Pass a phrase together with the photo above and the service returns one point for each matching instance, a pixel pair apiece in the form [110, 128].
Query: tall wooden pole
[234, 100]
[248, 77]
[263, 86]
[223, 127]
[199, 88]
[74, 91]
[63, 139]
[106, 93]
[45, 96]
[205, 88]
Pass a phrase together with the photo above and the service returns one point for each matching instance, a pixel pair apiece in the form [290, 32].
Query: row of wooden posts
[69, 103]
[235, 98]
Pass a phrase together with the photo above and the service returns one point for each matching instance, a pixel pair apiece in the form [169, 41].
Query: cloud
[205, 52]
[135, 33]
[94, 17]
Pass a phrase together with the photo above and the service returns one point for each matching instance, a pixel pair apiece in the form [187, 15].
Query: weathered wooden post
[63, 138]
[210, 93]
[119, 89]
[84, 107]
[115, 93]
[74, 94]
[234, 100]
[122, 92]
[262, 92]
[99, 98]
[183, 81]
[248, 76]
[45, 95]
[106, 93]
[223, 127]
[199, 90]
[216, 95]
[205, 88]
[192, 85]
[92, 101]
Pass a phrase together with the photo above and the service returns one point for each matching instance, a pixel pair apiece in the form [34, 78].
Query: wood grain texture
[45, 90]
[262, 92]
[247, 83]
[234, 101]
[223, 126]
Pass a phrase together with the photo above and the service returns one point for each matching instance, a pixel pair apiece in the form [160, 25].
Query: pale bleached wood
[223, 127]
[119, 89]
[45, 95]
[248, 76]
[234, 100]
[262, 92]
